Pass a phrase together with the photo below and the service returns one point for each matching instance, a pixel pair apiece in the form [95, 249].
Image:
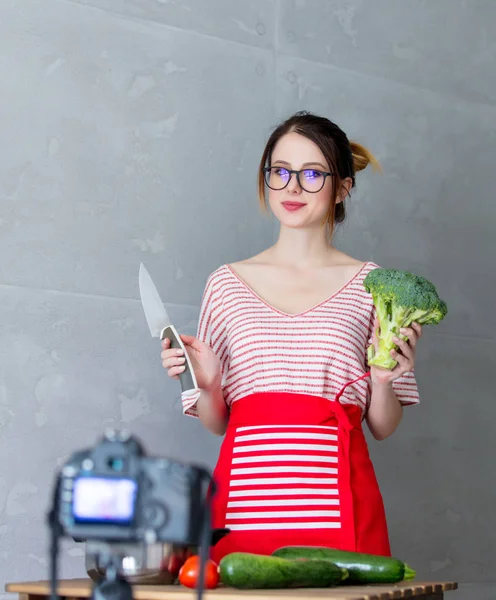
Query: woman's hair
[344, 157]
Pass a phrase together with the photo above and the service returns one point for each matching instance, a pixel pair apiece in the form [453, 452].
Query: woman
[280, 334]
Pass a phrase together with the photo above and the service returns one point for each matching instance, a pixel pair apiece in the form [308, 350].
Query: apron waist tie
[276, 408]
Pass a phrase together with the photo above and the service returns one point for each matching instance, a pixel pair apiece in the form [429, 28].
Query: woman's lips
[292, 206]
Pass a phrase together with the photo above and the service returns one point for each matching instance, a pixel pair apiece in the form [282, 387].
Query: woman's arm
[385, 410]
[212, 410]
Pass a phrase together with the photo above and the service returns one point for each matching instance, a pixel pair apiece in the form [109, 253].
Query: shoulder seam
[215, 274]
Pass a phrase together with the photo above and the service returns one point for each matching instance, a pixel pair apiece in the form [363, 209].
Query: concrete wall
[131, 131]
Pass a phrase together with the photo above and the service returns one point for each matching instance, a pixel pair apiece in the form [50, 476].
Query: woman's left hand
[405, 355]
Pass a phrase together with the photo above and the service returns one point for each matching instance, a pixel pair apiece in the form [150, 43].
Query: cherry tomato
[190, 572]
[175, 563]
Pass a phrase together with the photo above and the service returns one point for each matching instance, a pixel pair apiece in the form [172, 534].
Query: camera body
[114, 493]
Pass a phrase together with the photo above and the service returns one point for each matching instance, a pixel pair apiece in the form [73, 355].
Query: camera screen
[99, 499]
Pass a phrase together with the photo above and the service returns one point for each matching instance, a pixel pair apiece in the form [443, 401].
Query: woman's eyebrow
[307, 164]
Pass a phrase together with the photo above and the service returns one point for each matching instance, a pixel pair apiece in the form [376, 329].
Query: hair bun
[363, 157]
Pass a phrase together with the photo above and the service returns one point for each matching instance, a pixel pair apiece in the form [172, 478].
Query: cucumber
[362, 568]
[245, 570]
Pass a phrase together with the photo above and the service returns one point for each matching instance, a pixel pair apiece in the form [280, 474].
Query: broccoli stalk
[391, 319]
[400, 299]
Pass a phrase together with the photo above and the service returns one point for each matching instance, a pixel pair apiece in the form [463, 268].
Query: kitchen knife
[160, 326]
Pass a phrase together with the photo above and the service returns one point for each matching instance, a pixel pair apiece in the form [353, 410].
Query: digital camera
[115, 493]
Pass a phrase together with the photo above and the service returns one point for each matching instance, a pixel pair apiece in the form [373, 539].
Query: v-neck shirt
[315, 352]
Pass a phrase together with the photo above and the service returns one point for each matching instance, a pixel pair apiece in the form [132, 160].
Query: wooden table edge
[81, 588]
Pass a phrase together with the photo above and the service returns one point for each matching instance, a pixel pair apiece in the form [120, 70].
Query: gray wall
[131, 131]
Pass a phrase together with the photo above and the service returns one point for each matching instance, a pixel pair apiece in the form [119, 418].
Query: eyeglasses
[310, 180]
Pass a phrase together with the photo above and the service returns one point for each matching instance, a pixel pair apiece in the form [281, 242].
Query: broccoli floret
[400, 298]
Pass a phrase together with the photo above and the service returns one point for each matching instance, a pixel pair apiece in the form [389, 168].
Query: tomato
[175, 563]
[190, 571]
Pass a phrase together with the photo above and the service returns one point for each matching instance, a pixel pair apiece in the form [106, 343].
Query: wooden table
[76, 589]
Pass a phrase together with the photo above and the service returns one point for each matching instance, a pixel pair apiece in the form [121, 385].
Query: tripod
[113, 586]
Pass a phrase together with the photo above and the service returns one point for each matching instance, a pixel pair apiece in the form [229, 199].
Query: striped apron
[294, 469]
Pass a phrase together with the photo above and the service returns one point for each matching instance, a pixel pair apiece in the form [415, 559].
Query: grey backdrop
[131, 131]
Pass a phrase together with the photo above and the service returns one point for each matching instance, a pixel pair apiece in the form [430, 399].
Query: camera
[114, 494]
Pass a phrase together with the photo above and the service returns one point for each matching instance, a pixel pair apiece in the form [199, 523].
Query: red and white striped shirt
[315, 352]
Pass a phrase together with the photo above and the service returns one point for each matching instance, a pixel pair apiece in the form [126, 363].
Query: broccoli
[400, 298]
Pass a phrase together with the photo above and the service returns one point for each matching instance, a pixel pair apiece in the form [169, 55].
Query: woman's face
[293, 206]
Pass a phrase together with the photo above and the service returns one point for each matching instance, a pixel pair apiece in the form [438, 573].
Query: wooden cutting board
[75, 589]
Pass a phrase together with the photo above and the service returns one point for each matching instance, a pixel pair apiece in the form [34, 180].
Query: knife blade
[160, 326]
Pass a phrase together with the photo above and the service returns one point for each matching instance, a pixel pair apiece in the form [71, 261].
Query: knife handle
[187, 377]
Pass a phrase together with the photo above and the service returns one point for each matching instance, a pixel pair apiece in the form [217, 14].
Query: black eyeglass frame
[326, 174]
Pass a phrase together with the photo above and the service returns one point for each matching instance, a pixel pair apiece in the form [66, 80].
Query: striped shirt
[314, 352]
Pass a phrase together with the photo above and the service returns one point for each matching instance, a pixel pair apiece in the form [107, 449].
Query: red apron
[293, 470]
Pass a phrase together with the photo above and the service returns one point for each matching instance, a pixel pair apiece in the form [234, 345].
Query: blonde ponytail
[363, 157]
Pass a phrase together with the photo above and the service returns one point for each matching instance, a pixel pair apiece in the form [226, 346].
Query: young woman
[280, 334]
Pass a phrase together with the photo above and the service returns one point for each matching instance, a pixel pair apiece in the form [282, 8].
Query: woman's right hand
[205, 362]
